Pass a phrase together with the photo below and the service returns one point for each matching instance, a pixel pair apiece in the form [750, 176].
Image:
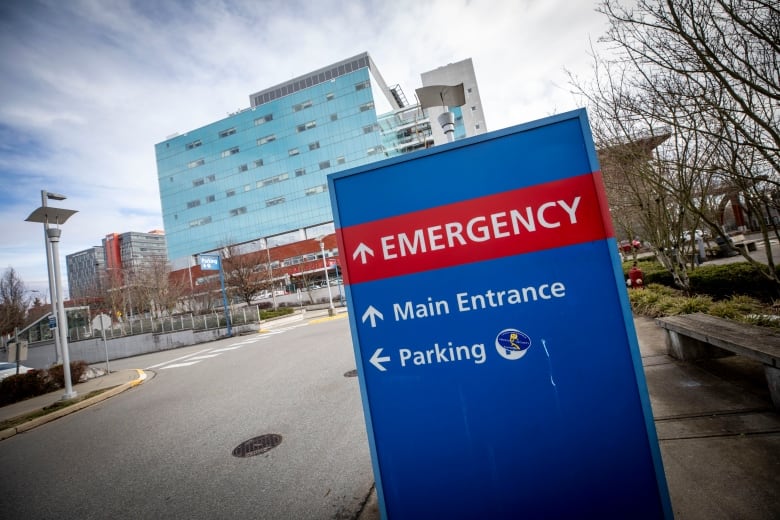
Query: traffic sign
[498, 364]
[209, 262]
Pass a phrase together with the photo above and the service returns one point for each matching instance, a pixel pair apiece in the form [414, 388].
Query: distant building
[257, 179]
[84, 273]
[133, 251]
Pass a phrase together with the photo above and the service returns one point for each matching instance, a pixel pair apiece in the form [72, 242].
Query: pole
[331, 310]
[52, 290]
[270, 273]
[16, 346]
[224, 299]
[105, 344]
[62, 320]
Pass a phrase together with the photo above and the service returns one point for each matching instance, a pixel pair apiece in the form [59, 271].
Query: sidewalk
[114, 383]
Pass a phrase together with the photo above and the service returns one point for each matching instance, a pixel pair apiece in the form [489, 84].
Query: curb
[38, 421]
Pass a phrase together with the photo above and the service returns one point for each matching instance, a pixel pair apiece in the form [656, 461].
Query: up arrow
[372, 314]
[361, 251]
[377, 361]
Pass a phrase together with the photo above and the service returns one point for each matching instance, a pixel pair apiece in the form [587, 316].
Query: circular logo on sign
[512, 344]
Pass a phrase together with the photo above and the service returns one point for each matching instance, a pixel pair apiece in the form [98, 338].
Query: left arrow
[377, 361]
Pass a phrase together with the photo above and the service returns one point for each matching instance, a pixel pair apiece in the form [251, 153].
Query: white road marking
[179, 365]
[177, 359]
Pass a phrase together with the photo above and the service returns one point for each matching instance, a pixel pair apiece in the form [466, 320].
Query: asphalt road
[163, 449]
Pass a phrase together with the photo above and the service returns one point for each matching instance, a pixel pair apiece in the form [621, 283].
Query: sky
[90, 86]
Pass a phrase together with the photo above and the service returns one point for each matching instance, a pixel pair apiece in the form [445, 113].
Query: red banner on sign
[536, 218]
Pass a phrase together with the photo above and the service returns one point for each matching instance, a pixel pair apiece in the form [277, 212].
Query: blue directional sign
[209, 262]
[498, 364]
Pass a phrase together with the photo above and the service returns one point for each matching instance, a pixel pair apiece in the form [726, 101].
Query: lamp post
[45, 215]
[45, 196]
[331, 310]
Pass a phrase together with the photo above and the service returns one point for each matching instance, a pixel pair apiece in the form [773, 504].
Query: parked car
[9, 369]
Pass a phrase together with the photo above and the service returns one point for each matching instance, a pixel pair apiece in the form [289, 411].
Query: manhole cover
[257, 445]
[351, 373]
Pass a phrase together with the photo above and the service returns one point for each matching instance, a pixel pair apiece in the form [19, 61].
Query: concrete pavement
[719, 435]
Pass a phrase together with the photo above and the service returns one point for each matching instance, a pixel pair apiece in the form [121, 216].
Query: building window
[274, 201]
[200, 222]
[324, 165]
[258, 163]
[468, 90]
[368, 129]
[243, 168]
[266, 139]
[273, 180]
[334, 117]
[375, 150]
[314, 146]
[330, 96]
[340, 160]
[230, 151]
[300, 172]
[362, 85]
[238, 211]
[306, 126]
[211, 178]
[193, 144]
[301, 106]
[198, 182]
[230, 193]
[473, 109]
[196, 163]
[193, 204]
[264, 119]
[366, 106]
[210, 198]
[293, 152]
[225, 133]
[316, 189]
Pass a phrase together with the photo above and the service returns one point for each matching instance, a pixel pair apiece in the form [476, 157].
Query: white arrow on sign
[362, 250]
[377, 361]
[372, 314]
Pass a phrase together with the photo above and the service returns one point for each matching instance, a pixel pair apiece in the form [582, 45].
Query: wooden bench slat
[759, 343]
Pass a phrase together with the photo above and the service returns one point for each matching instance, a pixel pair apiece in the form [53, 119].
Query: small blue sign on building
[498, 364]
[52, 322]
[209, 262]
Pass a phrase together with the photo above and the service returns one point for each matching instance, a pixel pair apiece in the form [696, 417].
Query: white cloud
[90, 86]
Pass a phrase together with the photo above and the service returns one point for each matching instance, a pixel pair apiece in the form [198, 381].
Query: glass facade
[258, 178]
[262, 171]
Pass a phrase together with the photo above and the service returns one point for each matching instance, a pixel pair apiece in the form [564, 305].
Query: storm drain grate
[351, 373]
[257, 445]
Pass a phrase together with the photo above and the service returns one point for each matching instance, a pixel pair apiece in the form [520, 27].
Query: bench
[740, 242]
[700, 336]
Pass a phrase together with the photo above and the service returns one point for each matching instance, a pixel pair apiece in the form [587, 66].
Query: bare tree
[154, 289]
[13, 302]
[245, 274]
[706, 70]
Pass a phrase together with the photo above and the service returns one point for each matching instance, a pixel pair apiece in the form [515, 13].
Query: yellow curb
[34, 423]
[329, 318]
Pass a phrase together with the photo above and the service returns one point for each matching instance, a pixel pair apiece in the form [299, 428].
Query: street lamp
[45, 196]
[45, 215]
[331, 310]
